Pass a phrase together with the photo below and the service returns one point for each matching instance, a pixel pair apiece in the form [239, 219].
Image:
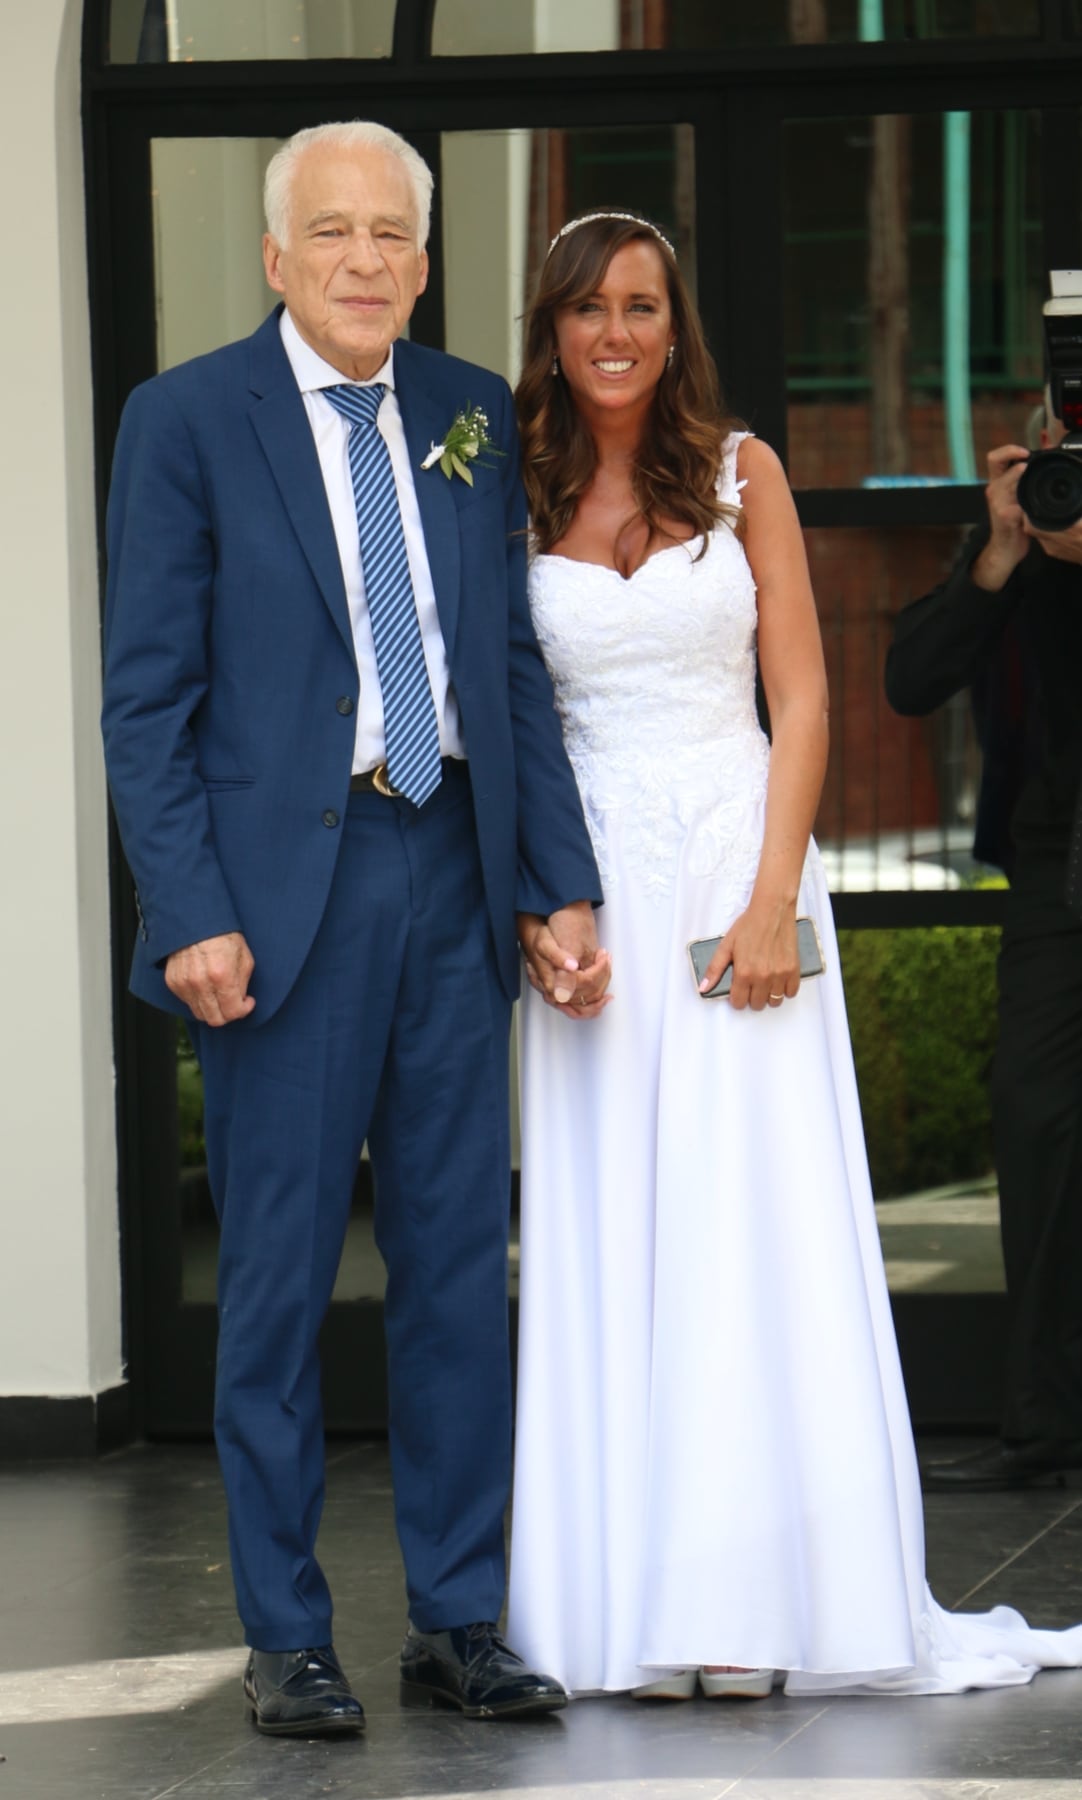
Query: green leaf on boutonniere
[467, 440]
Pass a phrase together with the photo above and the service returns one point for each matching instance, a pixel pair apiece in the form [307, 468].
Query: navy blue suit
[383, 938]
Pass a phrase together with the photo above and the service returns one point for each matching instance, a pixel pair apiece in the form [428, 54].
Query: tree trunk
[808, 22]
[888, 293]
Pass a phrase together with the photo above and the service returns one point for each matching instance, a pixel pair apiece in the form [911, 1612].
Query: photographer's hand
[1063, 546]
[1008, 544]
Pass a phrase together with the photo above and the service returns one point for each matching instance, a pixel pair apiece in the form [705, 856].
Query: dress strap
[728, 486]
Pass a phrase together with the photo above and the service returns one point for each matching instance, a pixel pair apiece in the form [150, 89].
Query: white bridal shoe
[742, 1684]
[673, 1684]
[728, 1684]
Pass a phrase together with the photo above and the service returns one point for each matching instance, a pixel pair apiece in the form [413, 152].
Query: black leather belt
[376, 781]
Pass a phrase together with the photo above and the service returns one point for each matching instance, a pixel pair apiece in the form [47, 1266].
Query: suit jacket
[230, 677]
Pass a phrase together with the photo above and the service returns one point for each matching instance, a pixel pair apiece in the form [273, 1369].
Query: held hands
[212, 978]
[563, 961]
[762, 948]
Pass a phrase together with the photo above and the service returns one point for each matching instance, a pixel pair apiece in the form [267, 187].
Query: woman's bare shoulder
[754, 457]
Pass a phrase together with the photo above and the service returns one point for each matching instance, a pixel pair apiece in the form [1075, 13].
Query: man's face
[352, 269]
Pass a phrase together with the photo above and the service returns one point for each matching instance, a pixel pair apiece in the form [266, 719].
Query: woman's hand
[564, 962]
[762, 948]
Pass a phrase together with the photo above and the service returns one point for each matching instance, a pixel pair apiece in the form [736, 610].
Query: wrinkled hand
[762, 948]
[1062, 546]
[564, 962]
[212, 978]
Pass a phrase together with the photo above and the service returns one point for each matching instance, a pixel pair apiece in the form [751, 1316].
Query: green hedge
[922, 1013]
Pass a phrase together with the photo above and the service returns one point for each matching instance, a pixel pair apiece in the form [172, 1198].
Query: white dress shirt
[331, 433]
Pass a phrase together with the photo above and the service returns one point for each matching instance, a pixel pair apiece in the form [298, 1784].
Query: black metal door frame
[736, 102]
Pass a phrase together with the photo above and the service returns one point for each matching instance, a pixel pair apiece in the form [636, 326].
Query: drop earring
[555, 365]
[668, 356]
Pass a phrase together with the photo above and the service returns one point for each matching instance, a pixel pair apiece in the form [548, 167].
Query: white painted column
[59, 1267]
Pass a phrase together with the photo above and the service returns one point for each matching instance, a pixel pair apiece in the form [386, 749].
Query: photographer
[1007, 623]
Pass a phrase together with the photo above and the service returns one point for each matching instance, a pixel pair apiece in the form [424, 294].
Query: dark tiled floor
[120, 1664]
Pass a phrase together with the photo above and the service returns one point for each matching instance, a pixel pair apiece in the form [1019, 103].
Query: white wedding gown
[714, 1461]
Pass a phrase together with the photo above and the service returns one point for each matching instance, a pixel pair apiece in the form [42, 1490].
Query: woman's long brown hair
[676, 469]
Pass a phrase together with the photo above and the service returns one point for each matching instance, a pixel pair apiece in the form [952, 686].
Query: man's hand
[1008, 544]
[563, 961]
[212, 978]
[1063, 546]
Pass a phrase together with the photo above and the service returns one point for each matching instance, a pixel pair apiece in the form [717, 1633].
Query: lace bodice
[655, 685]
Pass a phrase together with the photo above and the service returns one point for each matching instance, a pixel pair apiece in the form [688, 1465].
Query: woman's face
[613, 344]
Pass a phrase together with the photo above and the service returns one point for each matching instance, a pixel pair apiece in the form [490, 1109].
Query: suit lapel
[281, 425]
[424, 421]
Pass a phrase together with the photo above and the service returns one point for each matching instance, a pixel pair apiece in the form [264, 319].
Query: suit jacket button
[330, 818]
[344, 706]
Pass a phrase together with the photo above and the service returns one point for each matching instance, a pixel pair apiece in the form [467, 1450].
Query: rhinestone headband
[631, 218]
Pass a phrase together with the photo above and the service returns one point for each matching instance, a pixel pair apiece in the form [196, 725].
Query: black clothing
[999, 1468]
[1037, 1123]
[1020, 652]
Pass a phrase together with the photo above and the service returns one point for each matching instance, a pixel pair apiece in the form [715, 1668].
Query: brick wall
[886, 774]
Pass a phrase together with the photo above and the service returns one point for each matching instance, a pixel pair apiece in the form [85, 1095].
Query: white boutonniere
[466, 439]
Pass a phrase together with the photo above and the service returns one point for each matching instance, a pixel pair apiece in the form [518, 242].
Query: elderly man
[338, 774]
[1008, 624]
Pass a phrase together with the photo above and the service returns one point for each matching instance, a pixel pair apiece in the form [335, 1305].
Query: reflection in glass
[913, 290]
[208, 227]
[492, 27]
[922, 1074]
[899, 800]
[151, 31]
[361, 1273]
[506, 193]
[922, 1071]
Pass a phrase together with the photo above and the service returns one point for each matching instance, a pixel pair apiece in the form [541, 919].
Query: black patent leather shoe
[472, 1668]
[1002, 1466]
[300, 1693]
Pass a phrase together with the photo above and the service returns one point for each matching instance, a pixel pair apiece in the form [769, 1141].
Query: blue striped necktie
[409, 714]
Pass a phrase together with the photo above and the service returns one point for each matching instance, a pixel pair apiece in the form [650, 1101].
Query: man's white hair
[344, 135]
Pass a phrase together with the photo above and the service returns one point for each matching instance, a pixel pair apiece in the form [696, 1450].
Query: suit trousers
[1037, 1102]
[396, 1031]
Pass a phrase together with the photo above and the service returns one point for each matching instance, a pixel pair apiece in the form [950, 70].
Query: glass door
[867, 222]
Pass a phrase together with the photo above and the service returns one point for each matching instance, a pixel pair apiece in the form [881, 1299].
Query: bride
[715, 1479]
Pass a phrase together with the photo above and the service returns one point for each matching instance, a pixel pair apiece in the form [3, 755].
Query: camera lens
[1050, 491]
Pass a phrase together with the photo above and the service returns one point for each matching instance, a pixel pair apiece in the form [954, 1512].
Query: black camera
[1050, 490]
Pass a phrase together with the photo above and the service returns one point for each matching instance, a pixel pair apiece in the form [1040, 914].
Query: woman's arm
[762, 943]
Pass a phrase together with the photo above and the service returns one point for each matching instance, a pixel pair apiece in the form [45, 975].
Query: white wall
[59, 1253]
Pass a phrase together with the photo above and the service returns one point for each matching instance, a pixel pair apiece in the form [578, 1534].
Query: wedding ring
[775, 996]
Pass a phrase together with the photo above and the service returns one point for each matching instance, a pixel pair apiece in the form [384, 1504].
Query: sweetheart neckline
[582, 562]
